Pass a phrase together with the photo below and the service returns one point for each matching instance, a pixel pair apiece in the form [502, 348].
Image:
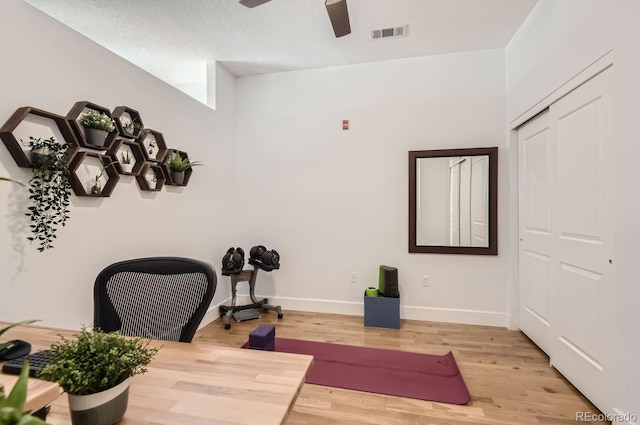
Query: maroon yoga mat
[374, 370]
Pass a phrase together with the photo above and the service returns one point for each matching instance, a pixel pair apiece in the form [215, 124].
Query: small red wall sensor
[345, 124]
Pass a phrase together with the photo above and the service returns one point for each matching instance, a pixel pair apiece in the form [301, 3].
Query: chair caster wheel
[227, 326]
[280, 315]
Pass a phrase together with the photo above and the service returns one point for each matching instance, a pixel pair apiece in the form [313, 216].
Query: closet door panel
[535, 230]
[581, 121]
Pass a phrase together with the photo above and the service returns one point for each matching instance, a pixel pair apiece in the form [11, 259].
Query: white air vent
[389, 32]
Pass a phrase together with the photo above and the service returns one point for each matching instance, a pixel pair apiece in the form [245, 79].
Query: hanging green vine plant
[49, 190]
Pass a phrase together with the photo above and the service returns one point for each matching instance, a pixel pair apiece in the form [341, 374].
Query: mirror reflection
[453, 201]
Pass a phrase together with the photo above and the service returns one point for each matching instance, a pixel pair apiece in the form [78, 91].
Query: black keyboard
[37, 362]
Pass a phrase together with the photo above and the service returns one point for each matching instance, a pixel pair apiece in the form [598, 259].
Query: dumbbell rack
[226, 312]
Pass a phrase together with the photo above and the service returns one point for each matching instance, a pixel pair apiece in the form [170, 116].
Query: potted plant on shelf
[129, 125]
[177, 165]
[151, 148]
[94, 370]
[126, 162]
[96, 185]
[49, 190]
[97, 126]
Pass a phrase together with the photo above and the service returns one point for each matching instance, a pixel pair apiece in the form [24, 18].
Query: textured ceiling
[285, 34]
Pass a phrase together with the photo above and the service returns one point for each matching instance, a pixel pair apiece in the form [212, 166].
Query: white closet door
[534, 147]
[565, 303]
[582, 124]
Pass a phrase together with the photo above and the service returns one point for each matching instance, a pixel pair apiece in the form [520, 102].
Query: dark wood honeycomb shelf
[75, 116]
[171, 180]
[18, 150]
[152, 144]
[118, 147]
[80, 188]
[123, 113]
[159, 175]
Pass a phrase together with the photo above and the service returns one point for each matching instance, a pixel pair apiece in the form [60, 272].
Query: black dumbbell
[233, 261]
[271, 258]
[256, 252]
[266, 259]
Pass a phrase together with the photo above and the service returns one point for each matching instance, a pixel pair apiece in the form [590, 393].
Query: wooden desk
[39, 393]
[196, 383]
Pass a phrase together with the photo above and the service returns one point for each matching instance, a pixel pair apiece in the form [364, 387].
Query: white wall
[334, 202]
[48, 66]
[557, 41]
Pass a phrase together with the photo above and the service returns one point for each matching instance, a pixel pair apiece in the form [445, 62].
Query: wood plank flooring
[509, 378]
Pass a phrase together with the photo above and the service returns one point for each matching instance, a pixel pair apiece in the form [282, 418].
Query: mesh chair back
[158, 297]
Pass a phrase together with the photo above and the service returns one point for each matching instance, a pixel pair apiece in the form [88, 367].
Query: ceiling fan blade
[339, 16]
[253, 3]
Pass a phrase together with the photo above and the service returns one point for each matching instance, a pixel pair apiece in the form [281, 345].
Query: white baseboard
[466, 317]
[430, 314]
[212, 314]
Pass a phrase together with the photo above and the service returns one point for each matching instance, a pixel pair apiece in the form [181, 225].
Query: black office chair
[159, 297]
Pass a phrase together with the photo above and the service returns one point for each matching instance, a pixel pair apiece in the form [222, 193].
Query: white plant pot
[126, 168]
[103, 408]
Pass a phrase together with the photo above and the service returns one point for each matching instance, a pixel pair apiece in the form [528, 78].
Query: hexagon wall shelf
[86, 160]
[157, 172]
[187, 173]
[120, 145]
[152, 144]
[122, 114]
[81, 186]
[75, 115]
[32, 122]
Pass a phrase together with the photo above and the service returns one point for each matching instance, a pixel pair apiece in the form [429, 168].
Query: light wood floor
[509, 378]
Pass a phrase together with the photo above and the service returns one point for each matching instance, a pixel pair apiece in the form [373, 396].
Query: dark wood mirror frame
[492, 249]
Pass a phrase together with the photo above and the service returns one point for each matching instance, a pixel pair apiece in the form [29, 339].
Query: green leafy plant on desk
[94, 369]
[96, 361]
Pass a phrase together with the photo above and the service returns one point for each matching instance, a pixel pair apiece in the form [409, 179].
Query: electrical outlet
[353, 277]
[425, 281]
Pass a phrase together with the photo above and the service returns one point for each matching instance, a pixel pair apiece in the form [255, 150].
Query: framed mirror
[453, 201]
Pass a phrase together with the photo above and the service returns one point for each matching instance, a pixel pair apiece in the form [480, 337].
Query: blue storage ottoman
[263, 338]
[382, 312]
